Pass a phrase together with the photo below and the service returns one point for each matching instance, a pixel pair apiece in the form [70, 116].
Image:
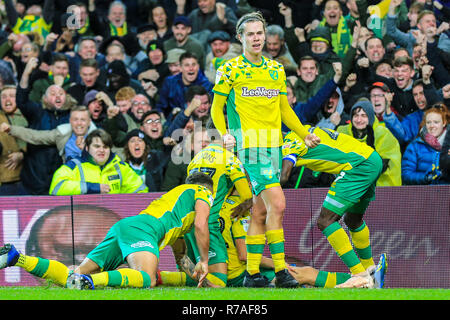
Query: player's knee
[258, 218]
[326, 218]
[277, 207]
[352, 220]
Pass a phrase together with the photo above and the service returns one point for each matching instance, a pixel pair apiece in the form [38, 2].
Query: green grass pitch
[181, 293]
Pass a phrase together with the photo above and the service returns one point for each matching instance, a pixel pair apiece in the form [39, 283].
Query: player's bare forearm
[201, 228]
[286, 169]
[267, 263]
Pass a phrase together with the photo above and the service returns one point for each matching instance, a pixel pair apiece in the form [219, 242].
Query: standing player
[253, 89]
[135, 240]
[357, 167]
[227, 173]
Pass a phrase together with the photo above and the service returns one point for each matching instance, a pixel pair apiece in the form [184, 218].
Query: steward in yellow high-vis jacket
[97, 170]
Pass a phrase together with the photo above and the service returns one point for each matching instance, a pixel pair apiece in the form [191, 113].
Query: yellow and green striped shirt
[176, 210]
[336, 152]
[253, 100]
[223, 167]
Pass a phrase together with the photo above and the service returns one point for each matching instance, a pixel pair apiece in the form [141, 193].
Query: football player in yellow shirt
[357, 167]
[227, 173]
[253, 89]
[135, 240]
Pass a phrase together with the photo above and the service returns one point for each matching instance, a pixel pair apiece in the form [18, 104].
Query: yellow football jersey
[233, 229]
[336, 152]
[223, 167]
[31, 23]
[176, 210]
[253, 100]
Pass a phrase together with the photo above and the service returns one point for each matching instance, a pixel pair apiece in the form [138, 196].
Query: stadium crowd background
[143, 71]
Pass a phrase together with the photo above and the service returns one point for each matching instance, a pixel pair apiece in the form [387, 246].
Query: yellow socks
[275, 240]
[125, 277]
[255, 248]
[361, 241]
[340, 242]
[169, 278]
[44, 268]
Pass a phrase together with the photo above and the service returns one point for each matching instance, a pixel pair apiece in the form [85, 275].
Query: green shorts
[129, 235]
[353, 190]
[263, 166]
[239, 280]
[217, 252]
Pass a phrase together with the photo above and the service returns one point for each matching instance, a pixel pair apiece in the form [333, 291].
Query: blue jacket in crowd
[172, 93]
[418, 161]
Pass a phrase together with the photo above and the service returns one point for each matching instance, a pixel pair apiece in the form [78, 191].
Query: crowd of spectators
[115, 89]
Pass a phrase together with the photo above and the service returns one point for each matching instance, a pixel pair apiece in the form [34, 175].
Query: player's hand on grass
[312, 141]
[200, 272]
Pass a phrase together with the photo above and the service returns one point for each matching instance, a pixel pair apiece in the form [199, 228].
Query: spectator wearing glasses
[153, 128]
[119, 124]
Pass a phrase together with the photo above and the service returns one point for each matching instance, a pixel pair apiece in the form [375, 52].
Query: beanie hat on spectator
[146, 27]
[89, 97]
[173, 55]
[153, 45]
[136, 133]
[381, 85]
[64, 20]
[367, 106]
[118, 67]
[320, 33]
[219, 35]
[183, 20]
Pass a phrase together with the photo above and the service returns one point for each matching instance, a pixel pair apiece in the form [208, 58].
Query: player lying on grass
[135, 240]
[357, 167]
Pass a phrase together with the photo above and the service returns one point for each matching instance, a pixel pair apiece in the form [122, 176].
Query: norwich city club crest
[273, 74]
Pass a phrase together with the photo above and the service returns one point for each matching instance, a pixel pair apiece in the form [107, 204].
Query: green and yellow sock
[275, 240]
[361, 241]
[175, 279]
[330, 279]
[216, 278]
[43, 268]
[340, 242]
[255, 248]
[125, 277]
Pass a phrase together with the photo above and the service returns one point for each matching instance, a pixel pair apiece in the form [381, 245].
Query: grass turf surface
[165, 293]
